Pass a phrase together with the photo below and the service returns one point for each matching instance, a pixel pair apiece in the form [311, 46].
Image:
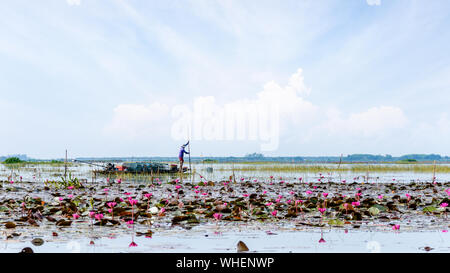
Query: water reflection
[322, 240]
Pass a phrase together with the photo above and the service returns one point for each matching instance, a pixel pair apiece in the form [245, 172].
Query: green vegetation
[407, 161]
[65, 182]
[16, 162]
[12, 160]
[361, 168]
[210, 161]
[56, 162]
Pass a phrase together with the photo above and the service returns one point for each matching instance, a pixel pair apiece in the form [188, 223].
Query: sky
[126, 78]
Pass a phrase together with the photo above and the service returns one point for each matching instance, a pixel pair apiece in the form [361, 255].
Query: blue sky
[100, 78]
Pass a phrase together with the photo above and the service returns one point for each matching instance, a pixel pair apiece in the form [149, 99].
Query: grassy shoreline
[420, 168]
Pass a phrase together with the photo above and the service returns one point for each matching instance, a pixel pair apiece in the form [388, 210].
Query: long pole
[65, 166]
[190, 168]
[434, 171]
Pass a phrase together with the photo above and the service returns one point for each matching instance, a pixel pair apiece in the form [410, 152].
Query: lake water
[208, 239]
[259, 237]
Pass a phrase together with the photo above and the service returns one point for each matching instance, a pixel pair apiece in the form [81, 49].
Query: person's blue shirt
[183, 151]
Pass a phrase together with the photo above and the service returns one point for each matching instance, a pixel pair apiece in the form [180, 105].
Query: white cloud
[294, 109]
[73, 2]
[376, 121]
[138, 120]
[299, 118]
[373, 2]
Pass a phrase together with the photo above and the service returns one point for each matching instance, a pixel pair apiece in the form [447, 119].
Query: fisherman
[181, 155]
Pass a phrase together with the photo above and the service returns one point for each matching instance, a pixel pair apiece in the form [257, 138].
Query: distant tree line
[261, 158]
[21, 157]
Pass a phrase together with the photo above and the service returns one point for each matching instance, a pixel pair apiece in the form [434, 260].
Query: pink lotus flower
[325, 194]
[322, 210]
[196, 187]
[245, 195]
[70, 196]
[148, 195]
[274, 213]
[396, 227]
[322, 240]
[132, 201]
[111, 204]
[291, 192]
[269, 204]
[380, 196]
[264, 192]
[119, 181]
[298, 201]
[177, 187]
[355, 204]
[161, 212]
[133, 244]
[91, 214]
[70, 187]
[75, 216]
[444, 205]
[309, 192]
[99, 216]
[128, 193]
[218, 216]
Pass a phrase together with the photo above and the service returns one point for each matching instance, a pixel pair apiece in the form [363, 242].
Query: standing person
[181, 155]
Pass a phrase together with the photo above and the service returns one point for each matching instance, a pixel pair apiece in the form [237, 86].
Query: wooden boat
[140, 167]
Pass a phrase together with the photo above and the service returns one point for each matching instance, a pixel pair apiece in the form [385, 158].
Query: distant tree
[255, 155]
[422, 157]
[12, 160]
